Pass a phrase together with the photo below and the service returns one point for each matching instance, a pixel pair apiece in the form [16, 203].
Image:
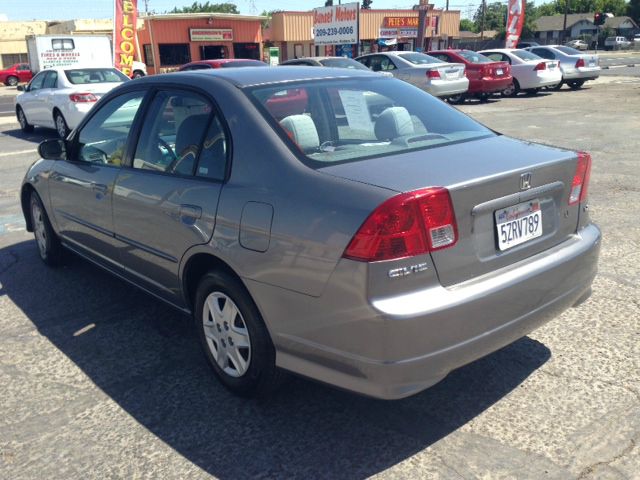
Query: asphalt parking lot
[99, 380]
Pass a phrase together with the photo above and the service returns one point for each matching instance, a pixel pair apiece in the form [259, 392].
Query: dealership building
[173, 39]
[293, 32]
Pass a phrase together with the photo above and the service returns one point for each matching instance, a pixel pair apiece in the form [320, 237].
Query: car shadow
[145, 356]
[37, 136]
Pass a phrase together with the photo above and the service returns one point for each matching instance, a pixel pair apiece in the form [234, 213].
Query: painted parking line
[11, 223]
[19, 152]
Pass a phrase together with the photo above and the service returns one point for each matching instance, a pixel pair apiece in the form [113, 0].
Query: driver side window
[103, 138]
[36, 83]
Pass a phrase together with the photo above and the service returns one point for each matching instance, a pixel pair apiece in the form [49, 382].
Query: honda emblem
[525, 181]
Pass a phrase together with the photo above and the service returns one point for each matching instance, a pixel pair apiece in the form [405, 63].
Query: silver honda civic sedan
[337, 224]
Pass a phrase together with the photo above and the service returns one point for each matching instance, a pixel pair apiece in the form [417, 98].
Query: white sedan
[60, 97]
[530, 72]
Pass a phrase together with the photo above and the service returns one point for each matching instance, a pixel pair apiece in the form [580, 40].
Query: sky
[76, 9]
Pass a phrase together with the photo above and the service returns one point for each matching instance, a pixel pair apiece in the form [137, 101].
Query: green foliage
[495, 17]
[555, 7]
[328, 3]
[207, 7]
[366, 4]
[467, 25]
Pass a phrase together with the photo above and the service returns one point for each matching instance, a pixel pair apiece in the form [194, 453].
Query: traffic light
[599, 18]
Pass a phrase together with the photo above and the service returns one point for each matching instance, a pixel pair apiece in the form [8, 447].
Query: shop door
[246, 50]
[212, 52]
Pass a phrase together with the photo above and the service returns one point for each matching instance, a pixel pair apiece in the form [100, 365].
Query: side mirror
[20, 88]
[53, 149]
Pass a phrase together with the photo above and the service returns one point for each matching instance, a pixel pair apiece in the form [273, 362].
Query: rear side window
[83, 76]
[51, 81]
[473, 57]
[544, 53]
[344, 120]
[419, 58]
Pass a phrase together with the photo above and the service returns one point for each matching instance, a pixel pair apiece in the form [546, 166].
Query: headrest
[393, 122]
[302, 130]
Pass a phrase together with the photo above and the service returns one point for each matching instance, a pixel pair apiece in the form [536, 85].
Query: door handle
[190, 213]
[100, 188]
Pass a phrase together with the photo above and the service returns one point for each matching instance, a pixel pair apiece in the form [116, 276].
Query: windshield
[342, 120]
[419, 58]
[474, 57]
[243, 63]
[568, 50]
[83, 76]
[526, 55]
[342, 63]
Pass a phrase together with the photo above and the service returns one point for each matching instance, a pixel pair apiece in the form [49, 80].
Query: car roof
[250, 76]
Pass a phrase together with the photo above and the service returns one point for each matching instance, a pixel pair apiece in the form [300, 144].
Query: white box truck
[49, 51]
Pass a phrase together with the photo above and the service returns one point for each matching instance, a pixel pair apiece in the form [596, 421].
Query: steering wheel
[167, 147]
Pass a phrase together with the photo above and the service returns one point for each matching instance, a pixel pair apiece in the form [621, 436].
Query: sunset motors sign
[124, 35]
[337, 25]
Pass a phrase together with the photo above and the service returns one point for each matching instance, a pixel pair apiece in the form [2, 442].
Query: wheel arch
[25, 199]
[197, 266]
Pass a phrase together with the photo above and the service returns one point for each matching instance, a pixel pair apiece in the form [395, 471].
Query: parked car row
[22, 73]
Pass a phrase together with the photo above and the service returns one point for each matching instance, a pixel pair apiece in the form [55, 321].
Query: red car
[485, 76]
[222, 63]
[20, 72]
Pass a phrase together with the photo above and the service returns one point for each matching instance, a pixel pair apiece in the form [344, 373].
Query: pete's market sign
[124, 35]
[211, 34]
[337, 25]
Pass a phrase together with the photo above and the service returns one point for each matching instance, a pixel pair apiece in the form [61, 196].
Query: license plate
[592, 64]
[499, 71]
[518, 224]
[552, 66]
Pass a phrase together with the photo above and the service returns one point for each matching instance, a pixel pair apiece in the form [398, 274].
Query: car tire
[11, 81]
[48, 243]
[575, 84]
[61, 125]
[234, 336]
[25, 126]
[512, 91]
[483, 97]
[556, 87]
[457, 99]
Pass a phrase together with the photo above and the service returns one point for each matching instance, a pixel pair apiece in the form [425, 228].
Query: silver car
[430, 74]
[577, 68]
[333, 223]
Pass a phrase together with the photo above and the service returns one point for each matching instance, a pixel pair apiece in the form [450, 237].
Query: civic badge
[525, 181]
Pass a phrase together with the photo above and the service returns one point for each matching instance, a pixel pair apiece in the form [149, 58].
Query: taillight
[433, 74]
[541, 66]
[406, 225]
[580, 183]
[83, 97]
[580, 63]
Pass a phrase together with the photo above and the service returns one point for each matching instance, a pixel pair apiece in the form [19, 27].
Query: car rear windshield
[342, 120]
[82, 76]
[568, 50]
[526, 55]
[474, 57]
[419, 58]
[342, 63]
[244, 63]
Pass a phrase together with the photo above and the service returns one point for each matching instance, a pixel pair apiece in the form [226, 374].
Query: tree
[207, 7]
[468, 25]
[366, 4]
[495, 17]
[633, 10]
[269, 14]
[328, 3]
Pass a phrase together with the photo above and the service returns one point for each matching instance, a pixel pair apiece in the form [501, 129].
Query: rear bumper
[581, 73]
[443, 88]
[394, 347]
[489, 85]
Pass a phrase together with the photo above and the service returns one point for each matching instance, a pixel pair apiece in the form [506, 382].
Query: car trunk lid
[511, 178]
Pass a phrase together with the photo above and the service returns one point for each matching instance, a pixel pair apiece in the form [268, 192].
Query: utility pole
[564, 25]
[484, 6]
[447, 7]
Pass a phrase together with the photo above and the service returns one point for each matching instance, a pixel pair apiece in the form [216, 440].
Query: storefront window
[174, 53]
[148, 55]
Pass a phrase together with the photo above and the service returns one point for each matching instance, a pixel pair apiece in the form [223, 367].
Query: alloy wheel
[61, 126]
[226, 334]
[39, 229]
